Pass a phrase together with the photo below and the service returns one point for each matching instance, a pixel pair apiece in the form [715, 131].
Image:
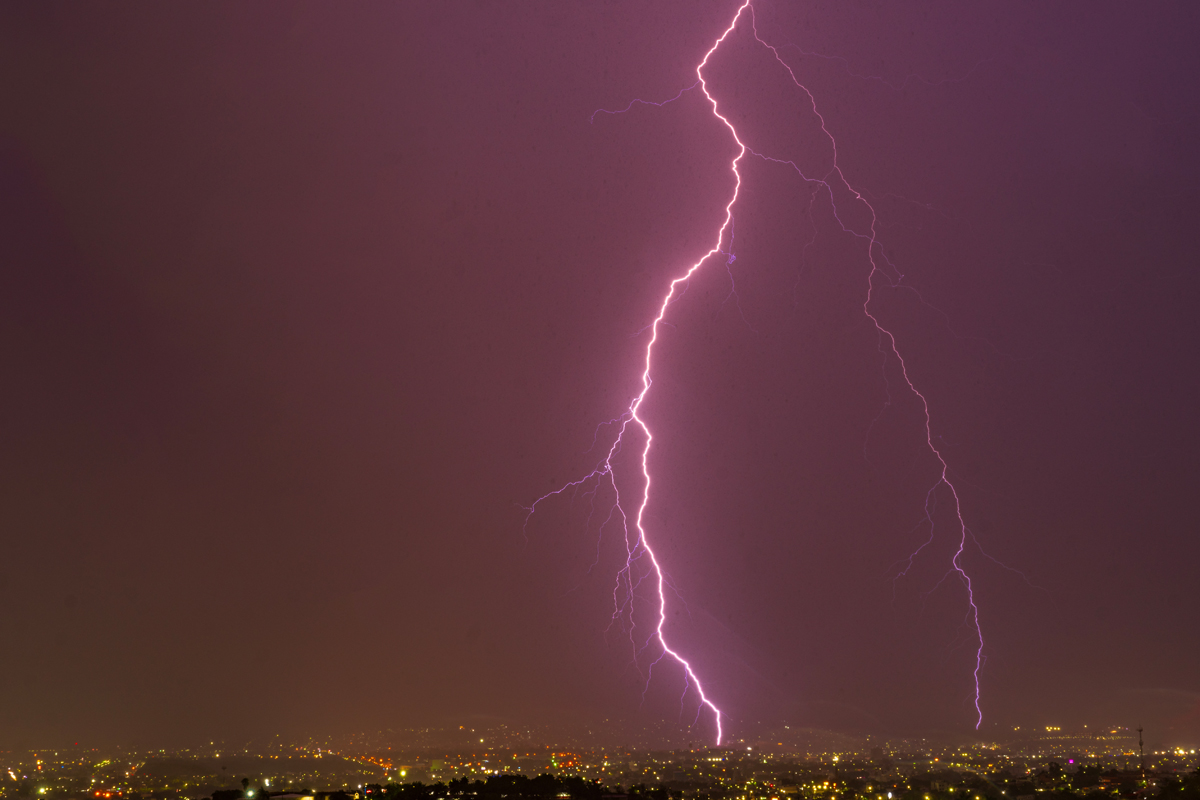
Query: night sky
[301, 303]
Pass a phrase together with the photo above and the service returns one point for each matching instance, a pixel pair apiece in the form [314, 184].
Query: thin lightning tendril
[637, 545]
[943, 478]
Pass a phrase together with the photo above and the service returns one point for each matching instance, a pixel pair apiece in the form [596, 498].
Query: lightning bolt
[881, 271]
[893, 350]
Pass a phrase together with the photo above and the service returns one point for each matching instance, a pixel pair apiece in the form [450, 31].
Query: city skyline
[1103, 765]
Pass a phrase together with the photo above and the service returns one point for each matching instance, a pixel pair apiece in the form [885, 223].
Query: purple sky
[301, 303]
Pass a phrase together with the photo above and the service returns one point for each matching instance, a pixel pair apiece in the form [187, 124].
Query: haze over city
[332, 335]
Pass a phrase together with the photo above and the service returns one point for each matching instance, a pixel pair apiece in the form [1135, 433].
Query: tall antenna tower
[1141, 754]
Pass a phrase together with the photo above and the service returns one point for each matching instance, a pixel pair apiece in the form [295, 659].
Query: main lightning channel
[636, 405]
[604, 471]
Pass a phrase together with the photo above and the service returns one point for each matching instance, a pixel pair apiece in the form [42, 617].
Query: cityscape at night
[1050, 763]
[599, 400]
